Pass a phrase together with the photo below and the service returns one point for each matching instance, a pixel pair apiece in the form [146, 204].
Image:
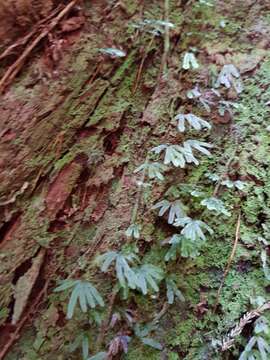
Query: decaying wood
[14, 69]
[23, 41]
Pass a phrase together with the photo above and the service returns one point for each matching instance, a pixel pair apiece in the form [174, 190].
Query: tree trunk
[76, 122]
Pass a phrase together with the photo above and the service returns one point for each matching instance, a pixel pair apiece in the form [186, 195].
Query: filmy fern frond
[154, 170]
[238, 184]
[176, 209]
[180, 155]
[190, 61]
[148, 276]
[193, 229]
[84, 292]
[133, 231]
[113, 52]
[194, 121]
[217, 205]
[183, 247]
[124, 273]
[172, 290]
[228, 76]
[199, 146]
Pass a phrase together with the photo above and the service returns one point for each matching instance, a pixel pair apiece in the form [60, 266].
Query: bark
[74, 125]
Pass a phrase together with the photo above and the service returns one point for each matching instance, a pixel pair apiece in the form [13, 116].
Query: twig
[229, 263]
[139, 194]
[139, 72]
[17, 65]
[15, 336]
[162, 312]
[228, 341]
[24, 40]
[166, 38]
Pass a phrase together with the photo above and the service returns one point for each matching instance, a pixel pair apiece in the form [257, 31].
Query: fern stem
[228, 341]
[139, 194]
[139, 72]
[230, 260]
[166, 38]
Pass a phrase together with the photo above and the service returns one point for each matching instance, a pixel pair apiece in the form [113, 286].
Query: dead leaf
[72, 24]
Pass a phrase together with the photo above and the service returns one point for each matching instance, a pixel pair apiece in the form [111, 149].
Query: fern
[213, 177]
[154, 170]
[113, 52]
[133, 231]
[258, 345]
[154, 27]
[172, 290]
[238, 184]
[173, 154]
[217, 205]
[148, 276]
[99, 356]
[265, 265]
[227, 105]
[196, 193]
[199, 146]
[194, 93]
[124, 273]
[205, 2]
[82, 340]
[84, 292]
[227, 77]
[176, 209]
[175, 249]
[180, 155]
[193, 229]
[142, 333]
[183, 247]
[194, 121]
[197, 95]
[190, 61]
[118, 345]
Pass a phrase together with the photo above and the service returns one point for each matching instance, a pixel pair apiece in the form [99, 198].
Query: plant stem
[166, 38]
[229, 263]
[139, 73]
[228, 341]
[139, 194]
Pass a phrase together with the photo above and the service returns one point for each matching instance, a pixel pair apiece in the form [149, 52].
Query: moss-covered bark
[72, 135]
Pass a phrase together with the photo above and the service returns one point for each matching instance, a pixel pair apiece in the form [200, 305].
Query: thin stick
[166, 38]
[139, 194]
[138, 75]
[24, 40]
[16, 67]
[237, 235]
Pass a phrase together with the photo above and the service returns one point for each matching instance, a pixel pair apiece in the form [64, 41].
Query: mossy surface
[78, 156]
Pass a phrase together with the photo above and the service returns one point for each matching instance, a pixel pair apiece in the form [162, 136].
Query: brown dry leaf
[25, 285]
[201, 308]
[72, 24]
